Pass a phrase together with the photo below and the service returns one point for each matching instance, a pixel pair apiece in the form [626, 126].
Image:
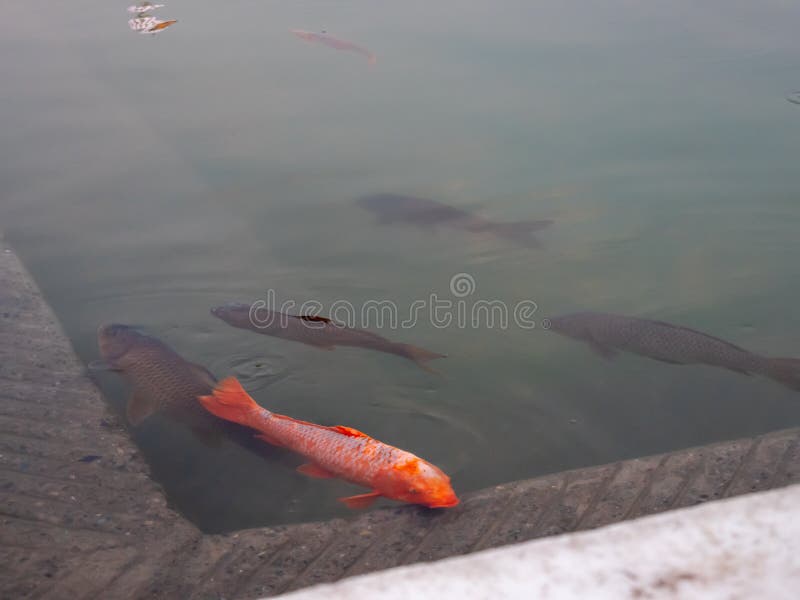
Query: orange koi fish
[338, 451]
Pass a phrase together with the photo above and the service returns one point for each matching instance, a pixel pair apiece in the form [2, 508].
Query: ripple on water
[254, 372]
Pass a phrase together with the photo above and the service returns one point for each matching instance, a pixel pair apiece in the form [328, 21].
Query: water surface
[148, 178]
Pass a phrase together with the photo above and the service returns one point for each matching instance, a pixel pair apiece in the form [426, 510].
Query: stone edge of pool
[77, 526]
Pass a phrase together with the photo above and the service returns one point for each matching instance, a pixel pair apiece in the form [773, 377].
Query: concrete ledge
[745, 547]
[102, 529]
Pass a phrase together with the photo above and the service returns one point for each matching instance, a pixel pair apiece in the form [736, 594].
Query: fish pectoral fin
[101, 365]
[361, 500]
[348, 431]
[313, 470]
[270, 440]
[140, 406]
[602, 349]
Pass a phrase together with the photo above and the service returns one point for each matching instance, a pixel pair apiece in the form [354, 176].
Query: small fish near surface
[338, 451]
[149, 24]
[331, 42]
[607, 334]
[428, 214]
[162, 380]
[316, 331]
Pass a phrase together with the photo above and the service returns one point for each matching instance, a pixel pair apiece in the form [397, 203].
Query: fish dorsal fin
[313, 318]
[140, 406]
[204, 374]
[348, 431]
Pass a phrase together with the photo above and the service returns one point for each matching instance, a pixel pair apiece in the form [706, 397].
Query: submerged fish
[319, 332]
[422, 212]
[607, 334]
[162, 380]
[338, 451]
[332, 42]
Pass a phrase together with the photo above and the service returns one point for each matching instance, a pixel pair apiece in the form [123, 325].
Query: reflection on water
[328, 40]
[145, 22]
[144, 183]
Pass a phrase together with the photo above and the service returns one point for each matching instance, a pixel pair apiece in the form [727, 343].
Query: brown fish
[319, 332]
[162, 380]
[422, 212]
[331, 42]
[607, 334]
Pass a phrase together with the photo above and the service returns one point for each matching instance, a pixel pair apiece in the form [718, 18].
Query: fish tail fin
[420, 356]
[231, 402]
[785, 371]
[521, 231]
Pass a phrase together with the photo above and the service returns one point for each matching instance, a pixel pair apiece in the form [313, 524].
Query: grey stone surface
[102, 529]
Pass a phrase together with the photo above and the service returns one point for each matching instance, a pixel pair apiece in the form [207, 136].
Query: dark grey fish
[608, 334]
[394, 208]
[319, 332]
[162, 380]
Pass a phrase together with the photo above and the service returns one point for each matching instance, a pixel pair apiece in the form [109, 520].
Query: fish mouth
[446, 504]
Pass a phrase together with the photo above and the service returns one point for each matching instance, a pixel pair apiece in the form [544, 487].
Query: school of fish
[163, 382]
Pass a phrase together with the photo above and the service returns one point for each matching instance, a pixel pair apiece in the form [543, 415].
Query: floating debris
[149, 24]
[144, 7]
[145, 22]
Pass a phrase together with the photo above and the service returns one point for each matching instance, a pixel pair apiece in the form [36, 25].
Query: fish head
[115, 340]
[419, 482]
[235, 313]
[574, 325]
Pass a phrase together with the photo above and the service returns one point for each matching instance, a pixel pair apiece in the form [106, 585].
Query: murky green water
[147, 178]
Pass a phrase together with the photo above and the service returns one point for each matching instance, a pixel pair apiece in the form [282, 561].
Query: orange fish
[338, 451]
[161, 25]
